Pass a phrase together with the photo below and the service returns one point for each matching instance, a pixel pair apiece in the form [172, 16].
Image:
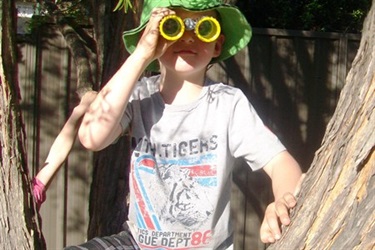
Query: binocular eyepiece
[207, 29]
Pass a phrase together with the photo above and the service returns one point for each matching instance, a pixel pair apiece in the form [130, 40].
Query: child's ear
[219, 45]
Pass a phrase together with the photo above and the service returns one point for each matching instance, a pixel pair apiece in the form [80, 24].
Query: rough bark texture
[80, 52]
[336, 203]
[19, 224]
[109, 189]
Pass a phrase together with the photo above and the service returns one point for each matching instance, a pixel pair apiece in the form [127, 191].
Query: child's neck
[180, 90]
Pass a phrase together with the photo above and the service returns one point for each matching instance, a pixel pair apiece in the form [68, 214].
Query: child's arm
[285, 174]
[101, 123]
[60, 148]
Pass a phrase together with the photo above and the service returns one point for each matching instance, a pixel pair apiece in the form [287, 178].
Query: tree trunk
[336, 205]
[96, 61]
[109, 188]
[19, 222]
[108, 205]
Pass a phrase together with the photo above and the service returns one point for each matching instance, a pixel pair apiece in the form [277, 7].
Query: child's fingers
[266, 235]
[276, 213]
[150, 42]
[289, 200]
[282, 212]
[157, 15]
[270, 229]
[283, 206]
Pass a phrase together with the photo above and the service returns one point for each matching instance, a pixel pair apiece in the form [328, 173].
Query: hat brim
[236, 29]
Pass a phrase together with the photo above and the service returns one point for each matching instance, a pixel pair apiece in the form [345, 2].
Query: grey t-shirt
[182, 162]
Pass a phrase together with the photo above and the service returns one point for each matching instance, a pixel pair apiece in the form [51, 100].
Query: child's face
[189, 53]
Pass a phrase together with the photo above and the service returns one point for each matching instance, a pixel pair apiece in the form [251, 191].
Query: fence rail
[293, 78]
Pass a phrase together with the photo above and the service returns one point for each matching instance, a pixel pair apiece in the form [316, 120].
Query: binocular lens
[172, 27]
[207, 29]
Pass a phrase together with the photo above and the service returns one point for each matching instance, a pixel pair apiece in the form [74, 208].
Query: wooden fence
[293, 78]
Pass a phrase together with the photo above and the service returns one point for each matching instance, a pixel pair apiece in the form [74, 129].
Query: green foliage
[79, 10]
[124, 4]
[342, 16]
[315, 15]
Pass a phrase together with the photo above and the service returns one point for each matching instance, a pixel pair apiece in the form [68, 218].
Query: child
[60, 149]
[186, 132]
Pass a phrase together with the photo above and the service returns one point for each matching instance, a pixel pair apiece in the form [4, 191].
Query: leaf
[124, 4]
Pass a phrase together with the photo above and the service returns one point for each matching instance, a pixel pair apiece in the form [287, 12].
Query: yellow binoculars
[207, 29]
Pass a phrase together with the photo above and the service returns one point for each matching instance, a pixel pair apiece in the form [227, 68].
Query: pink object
[39, 192]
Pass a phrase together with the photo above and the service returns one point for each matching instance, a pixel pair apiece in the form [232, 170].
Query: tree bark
[108, 207]
[19, 223]
[97, 58]
[109, 188]
[336, 205]
[80, 52]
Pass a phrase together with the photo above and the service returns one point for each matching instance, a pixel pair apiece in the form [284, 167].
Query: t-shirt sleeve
[144, 88]
[249, 138]
[126, 118]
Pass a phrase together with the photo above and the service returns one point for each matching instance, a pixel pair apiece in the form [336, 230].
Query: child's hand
[79, 110]
[39, 192]
[88, 98]
[276, 214]
[151, 45]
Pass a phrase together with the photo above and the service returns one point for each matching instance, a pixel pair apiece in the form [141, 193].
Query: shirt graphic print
[173, 206]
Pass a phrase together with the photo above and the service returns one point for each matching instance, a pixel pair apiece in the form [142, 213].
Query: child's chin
[184, 65]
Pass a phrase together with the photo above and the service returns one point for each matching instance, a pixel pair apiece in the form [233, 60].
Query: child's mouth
[186, 52]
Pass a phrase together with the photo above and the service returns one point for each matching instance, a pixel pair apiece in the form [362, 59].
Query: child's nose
[188, 36]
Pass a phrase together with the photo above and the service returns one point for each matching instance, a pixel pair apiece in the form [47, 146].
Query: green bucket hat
[234, 25]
